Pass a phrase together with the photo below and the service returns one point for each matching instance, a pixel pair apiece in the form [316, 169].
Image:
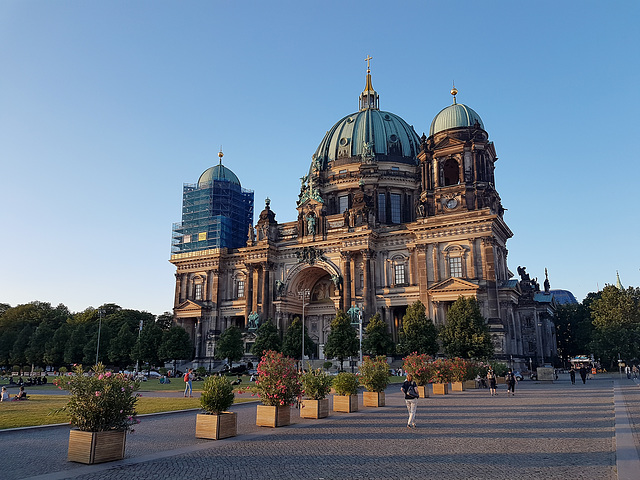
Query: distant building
[563, 297]
[216, 212]
[385, 218]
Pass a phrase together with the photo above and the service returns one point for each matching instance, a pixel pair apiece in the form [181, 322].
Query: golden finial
[454, 92]
[369, 58]
[220, 154]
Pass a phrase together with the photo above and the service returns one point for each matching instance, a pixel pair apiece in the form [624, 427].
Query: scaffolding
[215, 215]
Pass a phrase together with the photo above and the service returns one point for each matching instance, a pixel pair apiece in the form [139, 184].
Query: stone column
[248, 295]
[472, 258]
[412, 279]
[346, 288]
[183, 287]
[176, 298]
[436, 262]
[366, 270]
[266, 297]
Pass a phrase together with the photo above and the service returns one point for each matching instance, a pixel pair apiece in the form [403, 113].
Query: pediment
[454, 285]
[189, 306]
[448, 142]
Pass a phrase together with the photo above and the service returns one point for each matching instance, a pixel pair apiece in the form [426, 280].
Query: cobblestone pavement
[546, 431]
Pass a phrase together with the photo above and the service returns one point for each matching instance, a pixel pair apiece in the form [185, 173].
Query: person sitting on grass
[22, 395]
[5, 395]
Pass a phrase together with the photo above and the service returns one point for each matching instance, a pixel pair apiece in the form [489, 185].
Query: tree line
[39, 335]
[606, 324]
[465, 334]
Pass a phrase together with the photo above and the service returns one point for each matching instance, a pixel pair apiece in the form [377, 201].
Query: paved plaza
[546, 431]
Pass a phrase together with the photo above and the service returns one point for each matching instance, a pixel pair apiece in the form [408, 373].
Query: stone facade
[380, 225]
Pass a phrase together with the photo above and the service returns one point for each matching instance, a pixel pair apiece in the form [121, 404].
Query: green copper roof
[218, 172]
[454, 116]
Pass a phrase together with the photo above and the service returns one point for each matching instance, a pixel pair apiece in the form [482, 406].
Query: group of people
[631, 371]
[5, 397]
[583, 374]
[410, 390]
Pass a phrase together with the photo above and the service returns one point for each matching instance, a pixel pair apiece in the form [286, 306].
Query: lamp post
[138, 359]
[100, 313]
[360, 330]
[304, 296]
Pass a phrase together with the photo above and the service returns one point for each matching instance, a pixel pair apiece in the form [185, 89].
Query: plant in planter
[374, 376]
[278, 385]
[102, 408]
[441, 376]
[346, 397]
[461, 370]
[419, 366]
[217, 396]
[316, 385]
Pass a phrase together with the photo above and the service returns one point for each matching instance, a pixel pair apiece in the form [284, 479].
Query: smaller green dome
[218, 173]
[454, 116]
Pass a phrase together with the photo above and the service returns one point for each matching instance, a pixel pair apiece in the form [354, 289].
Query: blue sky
[107, 108]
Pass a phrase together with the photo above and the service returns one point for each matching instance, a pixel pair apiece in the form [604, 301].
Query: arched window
[451, 172]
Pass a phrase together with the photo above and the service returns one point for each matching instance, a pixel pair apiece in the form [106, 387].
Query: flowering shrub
[461, 369]
[217, 395]
[374, 373]
[317, 384]
[278, 381]
[441, 371]
[419, 366]
[346, 383]
[100, 400]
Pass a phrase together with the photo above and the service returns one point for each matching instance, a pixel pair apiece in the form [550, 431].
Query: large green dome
[383, 132]
[454, 116]
[218, 173]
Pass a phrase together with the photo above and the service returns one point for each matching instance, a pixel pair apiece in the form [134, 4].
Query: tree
[573, 330]
[377, 341]
[230, 345]
[267, 338]
[121, 346]
[147, 345]
[73, 348]
[465, 333]
[418, 333]
[616, 321]
[342, 341]
[20, 345]
[292, 341]
[165, 320]
[54, 350]
[176, 345]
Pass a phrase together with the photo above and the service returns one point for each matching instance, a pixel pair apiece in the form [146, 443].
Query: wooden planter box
[457, 386]
[440, 388]
[423, 391]
[373, 399]
[345, 403]
[469, 384]
[500, 381]
[217, 427]
[96, 447]
[315, 408]
[279, 416]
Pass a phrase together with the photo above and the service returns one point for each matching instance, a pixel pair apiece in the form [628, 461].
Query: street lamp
[304, 296]
[100, 313]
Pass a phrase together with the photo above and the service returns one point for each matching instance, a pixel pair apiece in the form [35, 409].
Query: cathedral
[385, 218]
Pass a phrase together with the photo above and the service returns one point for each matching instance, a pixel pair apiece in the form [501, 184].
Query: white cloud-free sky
[107, 108]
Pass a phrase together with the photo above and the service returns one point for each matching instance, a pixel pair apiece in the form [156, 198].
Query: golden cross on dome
[367, 60]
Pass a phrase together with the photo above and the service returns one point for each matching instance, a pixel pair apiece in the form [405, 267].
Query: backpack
[412, 392]
[509, 378]
[186, 377]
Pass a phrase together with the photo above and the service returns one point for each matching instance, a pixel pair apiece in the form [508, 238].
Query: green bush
[374, 374]
[217, 395]
[63, 370]
[316, 384]
[327, 365]
[346, 383]
[499, 368]
[201, 371]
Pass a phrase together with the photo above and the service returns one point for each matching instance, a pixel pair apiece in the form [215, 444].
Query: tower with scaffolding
[216, 212]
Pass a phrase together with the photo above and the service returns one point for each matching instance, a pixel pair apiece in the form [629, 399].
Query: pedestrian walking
[510, 379]
[572, 376]
[635, 372]
[583, 374]
[410, 390]
[188, 386]
[627, 370]
[492, 382]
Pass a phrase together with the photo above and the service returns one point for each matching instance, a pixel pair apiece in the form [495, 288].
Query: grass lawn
[38, 410]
